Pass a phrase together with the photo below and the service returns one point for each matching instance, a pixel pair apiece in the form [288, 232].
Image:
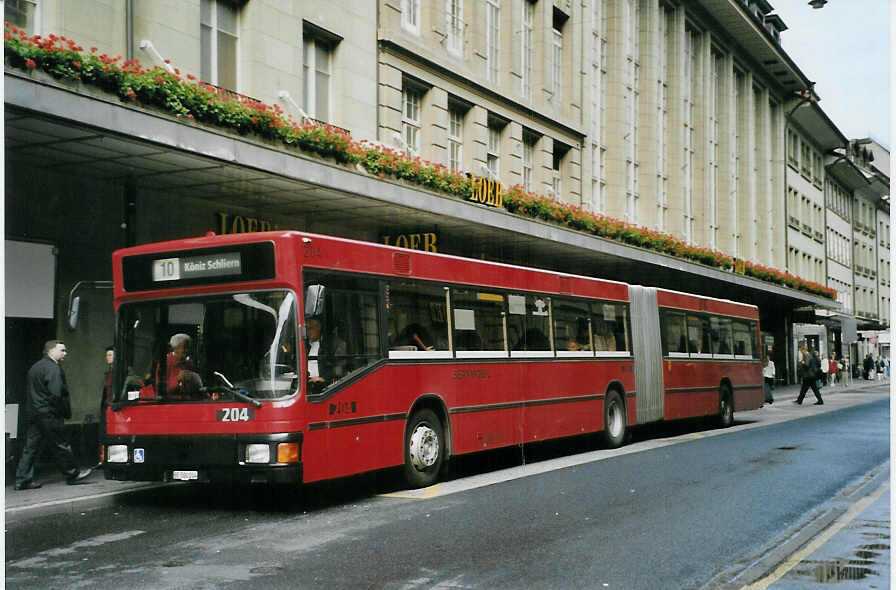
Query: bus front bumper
[203, 458]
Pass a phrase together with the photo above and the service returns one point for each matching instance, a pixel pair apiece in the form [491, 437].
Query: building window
[528, 160]
[557, 60]
[454, 13]
[662, 118]
[493, 38]
[410, 16]
[526, 51]
[455, 137]
[21, 13]
[316, 78]
[219, 43]
[691, 64]
[559, 155]
[493, 156]
[599, 107]
[793, 145]
[410, 120]
[712, 190]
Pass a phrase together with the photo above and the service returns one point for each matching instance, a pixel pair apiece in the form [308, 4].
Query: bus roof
[357, 256]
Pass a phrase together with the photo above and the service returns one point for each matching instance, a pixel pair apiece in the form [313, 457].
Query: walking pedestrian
[823, 375]
[833, 369]
[867, 367]
[768, 376]
[810, 371]
[47, 405]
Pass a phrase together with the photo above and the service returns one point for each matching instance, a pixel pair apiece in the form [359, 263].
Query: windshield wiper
[238, 393]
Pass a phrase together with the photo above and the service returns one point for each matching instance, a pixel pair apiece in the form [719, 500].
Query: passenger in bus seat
[180, 377]
[580, 342]
[415, 335]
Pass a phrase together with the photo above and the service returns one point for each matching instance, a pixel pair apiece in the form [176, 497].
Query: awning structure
[735, 19]
[83, 132]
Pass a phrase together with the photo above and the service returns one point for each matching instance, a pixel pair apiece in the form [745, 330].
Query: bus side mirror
[314, 300]
[73, 313]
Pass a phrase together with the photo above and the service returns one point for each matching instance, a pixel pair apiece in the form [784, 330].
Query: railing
[232, 95]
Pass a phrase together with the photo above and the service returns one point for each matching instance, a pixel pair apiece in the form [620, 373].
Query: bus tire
[726, 407]
[424, 448]
[614, 420]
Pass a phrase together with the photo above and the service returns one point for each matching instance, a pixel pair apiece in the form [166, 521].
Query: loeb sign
[486, 192]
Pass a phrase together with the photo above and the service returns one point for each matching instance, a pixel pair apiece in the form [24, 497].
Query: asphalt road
[668, 517]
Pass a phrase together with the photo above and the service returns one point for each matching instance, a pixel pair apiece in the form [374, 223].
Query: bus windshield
[217, 347]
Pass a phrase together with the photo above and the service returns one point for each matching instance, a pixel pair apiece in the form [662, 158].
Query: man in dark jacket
[810, 366]
[47, 405]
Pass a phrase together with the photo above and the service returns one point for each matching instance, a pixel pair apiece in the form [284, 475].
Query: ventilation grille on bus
[401, 263]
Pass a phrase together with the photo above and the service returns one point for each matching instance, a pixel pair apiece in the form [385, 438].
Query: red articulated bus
[287, 357]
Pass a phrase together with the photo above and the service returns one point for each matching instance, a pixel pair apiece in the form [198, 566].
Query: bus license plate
[184, 475]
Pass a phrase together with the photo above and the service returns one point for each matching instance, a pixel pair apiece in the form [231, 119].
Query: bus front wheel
[424, 449]
[614, 420]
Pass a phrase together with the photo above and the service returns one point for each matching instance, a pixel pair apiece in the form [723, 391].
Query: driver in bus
[321, 369]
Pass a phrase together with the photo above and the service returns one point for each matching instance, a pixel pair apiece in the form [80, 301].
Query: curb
[76, 504]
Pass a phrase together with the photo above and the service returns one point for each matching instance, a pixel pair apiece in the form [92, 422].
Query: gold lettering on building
[487, 192]
[238, 224]
[426, 241]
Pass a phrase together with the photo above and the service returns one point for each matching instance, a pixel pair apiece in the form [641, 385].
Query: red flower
[77, 64]
[29, 63]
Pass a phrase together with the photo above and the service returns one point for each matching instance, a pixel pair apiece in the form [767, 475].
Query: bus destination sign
[196, 267]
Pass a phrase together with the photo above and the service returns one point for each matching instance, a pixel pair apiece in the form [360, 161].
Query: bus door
[341, 339]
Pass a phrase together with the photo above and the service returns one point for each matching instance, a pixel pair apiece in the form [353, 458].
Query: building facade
[683, 117]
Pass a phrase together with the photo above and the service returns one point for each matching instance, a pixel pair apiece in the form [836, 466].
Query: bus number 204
[235, 415]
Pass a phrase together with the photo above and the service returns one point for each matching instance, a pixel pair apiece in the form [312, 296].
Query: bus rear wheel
[424, 449]
[614, 420]
[726, 407]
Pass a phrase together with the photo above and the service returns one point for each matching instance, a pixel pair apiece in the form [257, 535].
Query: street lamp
[817, 3]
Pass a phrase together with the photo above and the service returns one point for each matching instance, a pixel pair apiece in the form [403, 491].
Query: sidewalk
[58, 497]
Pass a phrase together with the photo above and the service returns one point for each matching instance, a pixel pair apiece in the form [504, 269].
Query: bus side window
[349, 328]
[721, 335]
[528, 323]
[698, 335]
[571, 325]
[478, 320]
[417, 316]
[609, 326]
[743, 345]
[674, 341]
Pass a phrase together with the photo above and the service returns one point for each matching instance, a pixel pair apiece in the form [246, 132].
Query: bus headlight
[258, 453]
[117, 454]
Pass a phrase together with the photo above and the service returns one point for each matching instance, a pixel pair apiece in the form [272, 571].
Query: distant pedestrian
[868, 367]
[768, 376]
[47, 405]
[833, 368]
[886, 363]
[879, 367]
[823, 376]
[810, 370]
